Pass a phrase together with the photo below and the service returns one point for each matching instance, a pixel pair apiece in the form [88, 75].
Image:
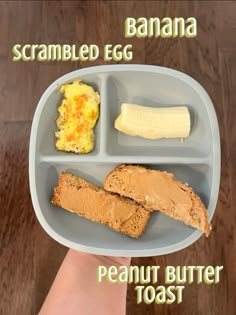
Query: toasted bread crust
[197, 216]
[77, 195]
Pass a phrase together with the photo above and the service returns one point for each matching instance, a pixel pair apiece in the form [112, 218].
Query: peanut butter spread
[96, 205]
[157, 188]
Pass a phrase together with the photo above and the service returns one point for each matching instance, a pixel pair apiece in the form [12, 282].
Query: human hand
[76, 291]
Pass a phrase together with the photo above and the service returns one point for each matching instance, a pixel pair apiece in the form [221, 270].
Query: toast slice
[92, 202]
[161, 191]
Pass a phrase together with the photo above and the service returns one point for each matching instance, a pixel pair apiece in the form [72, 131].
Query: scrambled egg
[78, 114]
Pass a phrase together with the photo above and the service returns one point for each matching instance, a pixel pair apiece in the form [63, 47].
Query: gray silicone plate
[196, 161]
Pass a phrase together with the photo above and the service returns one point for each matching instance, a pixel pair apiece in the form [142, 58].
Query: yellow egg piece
[78, 114]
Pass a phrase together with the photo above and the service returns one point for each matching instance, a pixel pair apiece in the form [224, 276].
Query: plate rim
[216, 153]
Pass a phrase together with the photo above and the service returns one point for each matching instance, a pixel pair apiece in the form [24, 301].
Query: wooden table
[29, 259]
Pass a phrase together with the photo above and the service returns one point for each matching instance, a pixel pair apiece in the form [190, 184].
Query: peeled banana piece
[152, 122]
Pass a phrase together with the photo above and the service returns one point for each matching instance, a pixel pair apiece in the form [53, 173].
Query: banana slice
[154, 123]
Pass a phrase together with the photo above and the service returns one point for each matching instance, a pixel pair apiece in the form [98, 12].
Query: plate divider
[125, 159]
[103, 113]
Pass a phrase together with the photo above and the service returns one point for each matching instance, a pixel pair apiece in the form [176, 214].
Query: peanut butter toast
[157, 190]
[92, 202]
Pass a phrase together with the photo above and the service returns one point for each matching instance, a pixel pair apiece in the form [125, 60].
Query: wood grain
[29, 259]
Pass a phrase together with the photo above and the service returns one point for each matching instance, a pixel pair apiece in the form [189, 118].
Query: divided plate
[195, 161]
